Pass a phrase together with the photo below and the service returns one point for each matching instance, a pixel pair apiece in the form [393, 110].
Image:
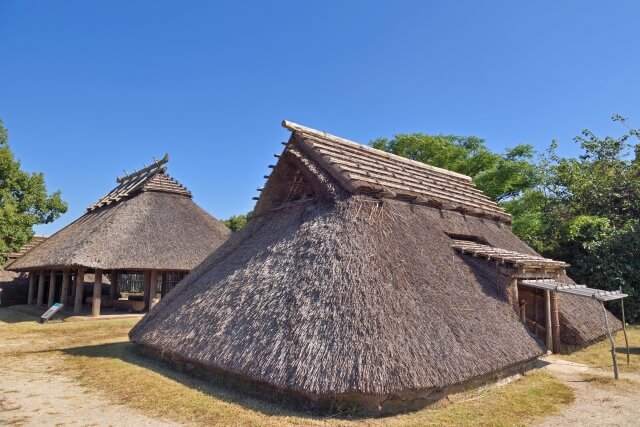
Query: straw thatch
[149, 221]
[345, 288]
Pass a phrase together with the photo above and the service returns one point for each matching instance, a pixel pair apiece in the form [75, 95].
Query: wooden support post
[523, 310]
[41, 279]
[77, 306]
[163, 286]
[153, 287]
[52, 288]
[72, 281]
[515, 300]
[32, 288]
[147, 290]
[613, 346]
[555, 322]
[64, 291]
[97, 293]
[624, 327]
[548, 330]
[113, 290]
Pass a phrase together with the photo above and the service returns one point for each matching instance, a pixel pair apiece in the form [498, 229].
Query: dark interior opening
[468, 237]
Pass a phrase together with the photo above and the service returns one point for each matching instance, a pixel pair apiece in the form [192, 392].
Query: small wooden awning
[573, 289]
[505, 256]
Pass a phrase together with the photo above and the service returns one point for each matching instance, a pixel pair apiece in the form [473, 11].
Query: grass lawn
[599, 354]
[100, 356]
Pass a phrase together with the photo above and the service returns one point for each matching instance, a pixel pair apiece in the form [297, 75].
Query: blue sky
[90, 88]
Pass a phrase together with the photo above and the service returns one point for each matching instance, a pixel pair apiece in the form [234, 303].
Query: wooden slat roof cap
[131, 183]
[294, 127]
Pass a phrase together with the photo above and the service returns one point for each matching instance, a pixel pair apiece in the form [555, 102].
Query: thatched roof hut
[13, 285]
[147, 224]
[347, 285]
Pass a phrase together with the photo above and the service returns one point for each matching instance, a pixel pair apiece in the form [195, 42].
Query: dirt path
[34, 393]
[600, 400]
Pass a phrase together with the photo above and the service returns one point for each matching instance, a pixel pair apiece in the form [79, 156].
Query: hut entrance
[533, 310]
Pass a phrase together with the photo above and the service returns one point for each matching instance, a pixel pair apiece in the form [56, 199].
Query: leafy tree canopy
[237, 222]
[501, 177]
[24, 201]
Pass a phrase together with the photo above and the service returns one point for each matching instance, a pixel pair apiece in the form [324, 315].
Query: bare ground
[37, 394]
[599, 399]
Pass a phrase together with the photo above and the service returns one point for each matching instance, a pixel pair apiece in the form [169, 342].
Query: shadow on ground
[632, 350]
[216, 386]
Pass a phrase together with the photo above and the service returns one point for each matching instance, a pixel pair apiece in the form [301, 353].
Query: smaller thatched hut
[13, 285]
[147, 228]
[367, 278]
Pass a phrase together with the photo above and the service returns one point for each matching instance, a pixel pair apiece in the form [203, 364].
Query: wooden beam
[153, 287]
[548, 330]
[32, 288]
[40, 302]
[555, 322]
[52, 288]
[515, 300]
[113, 290]
[77, 306]
[97, 293]
[613, 346]
[624, 327]
[64, 292]
[147, 290]
[163, 286]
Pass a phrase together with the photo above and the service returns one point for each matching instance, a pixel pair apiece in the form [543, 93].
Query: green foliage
[24, 201]
[585, 210]
[237, 222]
[501, 177]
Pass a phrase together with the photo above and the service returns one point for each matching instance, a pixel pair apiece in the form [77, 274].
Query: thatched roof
[35, 241]
[330, 293]
[149, 221]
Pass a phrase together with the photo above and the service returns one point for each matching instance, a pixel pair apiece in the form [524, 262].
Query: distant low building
[146, 229]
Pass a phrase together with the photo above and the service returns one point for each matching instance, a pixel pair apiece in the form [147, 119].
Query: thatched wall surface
[152, 230]
[324, 298]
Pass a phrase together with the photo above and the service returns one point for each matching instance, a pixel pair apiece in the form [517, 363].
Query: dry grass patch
[99, 354]
[599, 354]
[608, 382]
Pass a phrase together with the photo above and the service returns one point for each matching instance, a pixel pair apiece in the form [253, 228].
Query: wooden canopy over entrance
[535, 272]
[573, 289]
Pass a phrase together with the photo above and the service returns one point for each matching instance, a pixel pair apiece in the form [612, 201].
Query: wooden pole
[515, 300]
[147, 290]
[52, 288]
[97, 293]
[64, 292]
[624, 328]
[77, 306]
[555, 322]
[547, 296]
[113, 291]
[613, 347]
[163, 286]
[40, 302]
[32, 287]
[523, 310]
[153, 287]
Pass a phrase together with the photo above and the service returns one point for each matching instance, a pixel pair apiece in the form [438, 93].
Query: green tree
[586, 211]
[237, 222]
[24, 201]
[501, 177]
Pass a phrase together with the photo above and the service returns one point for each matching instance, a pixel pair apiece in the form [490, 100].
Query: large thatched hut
[369, 278]
[147, 227]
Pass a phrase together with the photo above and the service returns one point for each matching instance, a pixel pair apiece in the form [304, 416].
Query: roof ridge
[364, 170]
[294, 127]
[128, 184]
